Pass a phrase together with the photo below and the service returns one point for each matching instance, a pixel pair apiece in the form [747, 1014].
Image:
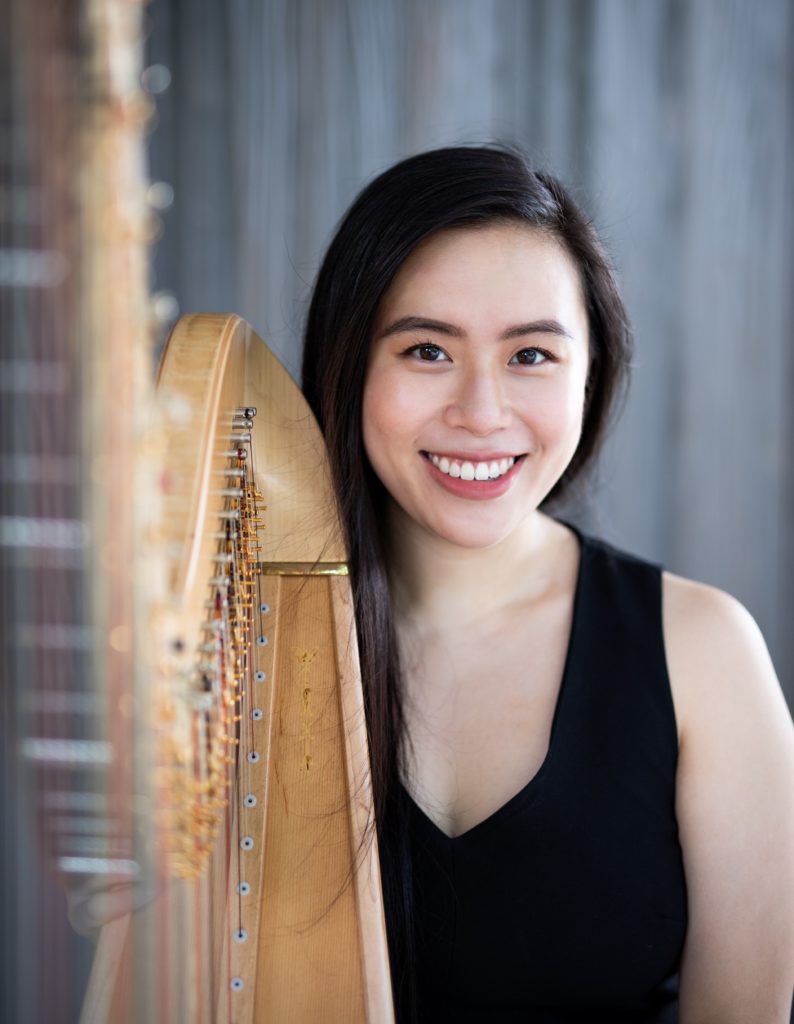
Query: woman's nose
[479, 403]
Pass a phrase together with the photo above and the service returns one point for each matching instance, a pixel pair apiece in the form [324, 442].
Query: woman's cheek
[554, 411]
[396, 402]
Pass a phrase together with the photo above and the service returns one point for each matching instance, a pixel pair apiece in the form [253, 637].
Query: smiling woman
[453, 393]
[582, 765]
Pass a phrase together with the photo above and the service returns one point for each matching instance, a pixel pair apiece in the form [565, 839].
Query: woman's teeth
[471, 470]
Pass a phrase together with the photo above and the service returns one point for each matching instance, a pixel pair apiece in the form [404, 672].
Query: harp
[128, 729]
[265, 886]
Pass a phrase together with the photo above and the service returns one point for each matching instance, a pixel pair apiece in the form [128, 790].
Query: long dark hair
[443, 188]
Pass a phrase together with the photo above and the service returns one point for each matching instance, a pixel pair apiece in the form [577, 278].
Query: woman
[582, 767]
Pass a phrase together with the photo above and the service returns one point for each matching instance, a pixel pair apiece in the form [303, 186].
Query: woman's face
[474, 393]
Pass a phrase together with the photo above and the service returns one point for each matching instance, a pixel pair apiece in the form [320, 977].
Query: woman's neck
[434, 582]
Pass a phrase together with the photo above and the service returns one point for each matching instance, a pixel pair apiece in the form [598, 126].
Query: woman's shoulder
[716, 655]
[706, 627]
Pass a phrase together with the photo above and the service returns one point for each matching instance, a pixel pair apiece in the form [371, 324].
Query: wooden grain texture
[316, 946]
[308, 936]
[674, 121]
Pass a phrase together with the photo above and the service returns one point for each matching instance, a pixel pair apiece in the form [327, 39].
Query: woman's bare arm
[735, 807]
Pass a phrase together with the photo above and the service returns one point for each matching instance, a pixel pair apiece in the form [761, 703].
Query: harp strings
[212, 729]
[209, 758]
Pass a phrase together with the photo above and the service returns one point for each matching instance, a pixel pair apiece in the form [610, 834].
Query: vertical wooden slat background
[673, 121]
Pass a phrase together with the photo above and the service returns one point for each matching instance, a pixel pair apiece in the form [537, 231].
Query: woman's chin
[472, 535]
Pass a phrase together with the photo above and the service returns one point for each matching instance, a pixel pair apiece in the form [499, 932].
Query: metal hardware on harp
[197, 779]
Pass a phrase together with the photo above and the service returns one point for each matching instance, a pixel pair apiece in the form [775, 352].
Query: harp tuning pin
[249, 411]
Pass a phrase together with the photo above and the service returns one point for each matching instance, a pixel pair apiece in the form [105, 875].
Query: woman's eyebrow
[421, 323]
[538, 327]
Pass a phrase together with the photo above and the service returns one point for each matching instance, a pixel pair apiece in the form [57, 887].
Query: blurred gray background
[672, 121]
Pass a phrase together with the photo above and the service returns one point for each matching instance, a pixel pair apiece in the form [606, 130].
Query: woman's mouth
[477, 479]
[465, 469]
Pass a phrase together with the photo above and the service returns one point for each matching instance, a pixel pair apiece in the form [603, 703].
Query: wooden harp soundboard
[260, 833]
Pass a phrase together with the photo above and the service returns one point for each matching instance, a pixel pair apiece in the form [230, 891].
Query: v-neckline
[528, 786]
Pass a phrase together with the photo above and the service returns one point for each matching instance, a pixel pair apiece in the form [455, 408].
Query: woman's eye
[530, 357]
[426, 353]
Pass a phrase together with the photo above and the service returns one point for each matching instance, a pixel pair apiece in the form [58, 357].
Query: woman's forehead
[498, 271]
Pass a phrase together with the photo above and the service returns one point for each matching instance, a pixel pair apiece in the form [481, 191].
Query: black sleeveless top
[568, 904]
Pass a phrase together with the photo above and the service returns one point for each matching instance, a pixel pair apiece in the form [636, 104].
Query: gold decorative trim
[301, 569]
